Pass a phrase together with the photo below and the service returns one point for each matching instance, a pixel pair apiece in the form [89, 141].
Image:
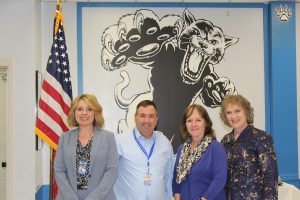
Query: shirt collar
[140, 137]
[243, 136]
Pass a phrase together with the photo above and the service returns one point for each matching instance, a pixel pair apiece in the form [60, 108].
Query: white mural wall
[242, 62]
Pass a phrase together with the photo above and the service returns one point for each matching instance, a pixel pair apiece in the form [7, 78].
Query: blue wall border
[276, 112]
[81, 5]
[283, 93]
[42, 193]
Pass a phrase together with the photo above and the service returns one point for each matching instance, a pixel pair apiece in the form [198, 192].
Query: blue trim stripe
[81, 5]
[267, 69]
[79, 50]
[280, 73]
[170, 4]
[283, 91]
[42, 193]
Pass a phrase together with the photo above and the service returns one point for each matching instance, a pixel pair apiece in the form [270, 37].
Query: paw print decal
[283, 13]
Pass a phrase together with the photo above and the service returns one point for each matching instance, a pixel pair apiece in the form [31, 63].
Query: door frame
[7, 63]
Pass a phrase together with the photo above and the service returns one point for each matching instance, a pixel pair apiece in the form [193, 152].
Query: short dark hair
[184, 134]
[145, 103]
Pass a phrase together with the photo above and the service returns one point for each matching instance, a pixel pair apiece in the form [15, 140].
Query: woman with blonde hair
[85, 164]
[252, 164]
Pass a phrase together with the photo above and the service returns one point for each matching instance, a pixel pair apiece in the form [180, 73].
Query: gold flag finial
[58, 17]
[58, 5]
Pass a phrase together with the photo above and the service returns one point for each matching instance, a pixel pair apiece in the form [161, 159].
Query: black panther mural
[180, 53]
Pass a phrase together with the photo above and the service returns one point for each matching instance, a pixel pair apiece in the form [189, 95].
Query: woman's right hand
[177, 196]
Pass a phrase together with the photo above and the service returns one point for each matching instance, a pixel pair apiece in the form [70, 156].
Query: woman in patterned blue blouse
[252, 165]
[201, 168]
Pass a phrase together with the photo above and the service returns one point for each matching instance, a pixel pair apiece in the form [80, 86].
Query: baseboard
[294, 182]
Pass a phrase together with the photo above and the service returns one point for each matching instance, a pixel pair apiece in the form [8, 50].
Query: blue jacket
[207, 177]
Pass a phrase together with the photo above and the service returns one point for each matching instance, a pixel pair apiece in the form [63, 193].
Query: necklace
[85, 138]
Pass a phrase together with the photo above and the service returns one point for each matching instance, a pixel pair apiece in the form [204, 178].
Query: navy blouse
[252, 165]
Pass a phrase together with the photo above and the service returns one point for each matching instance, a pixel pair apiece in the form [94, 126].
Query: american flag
[56, 93]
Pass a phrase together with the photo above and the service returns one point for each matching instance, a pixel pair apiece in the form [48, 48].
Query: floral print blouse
[83, 154]
[252, 165]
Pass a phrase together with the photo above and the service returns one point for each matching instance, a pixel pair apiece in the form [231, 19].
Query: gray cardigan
[103, 167]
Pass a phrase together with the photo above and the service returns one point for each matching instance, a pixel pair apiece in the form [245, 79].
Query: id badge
[147, 179]
[82, 168]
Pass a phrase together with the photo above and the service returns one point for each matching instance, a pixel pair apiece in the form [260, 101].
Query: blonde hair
[93, 103]
[237, 99]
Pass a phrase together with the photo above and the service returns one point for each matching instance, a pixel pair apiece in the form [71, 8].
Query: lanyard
[144, 150]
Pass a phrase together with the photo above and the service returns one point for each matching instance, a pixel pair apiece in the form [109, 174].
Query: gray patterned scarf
[187, 159]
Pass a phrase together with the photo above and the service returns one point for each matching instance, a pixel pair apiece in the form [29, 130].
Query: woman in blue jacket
[201, 168]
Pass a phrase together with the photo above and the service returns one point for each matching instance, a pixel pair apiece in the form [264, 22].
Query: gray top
[102, 172]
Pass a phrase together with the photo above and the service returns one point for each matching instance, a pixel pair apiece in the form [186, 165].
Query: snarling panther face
[204, 44]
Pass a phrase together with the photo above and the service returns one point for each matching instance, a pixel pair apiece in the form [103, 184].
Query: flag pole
[56, 96]
[51, 191]
[52, 154]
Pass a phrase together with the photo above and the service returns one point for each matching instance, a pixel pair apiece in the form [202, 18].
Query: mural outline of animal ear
[178, 27]
[230, 41]
[188, 17]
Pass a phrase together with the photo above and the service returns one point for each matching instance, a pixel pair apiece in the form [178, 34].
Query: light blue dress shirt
[132, 167]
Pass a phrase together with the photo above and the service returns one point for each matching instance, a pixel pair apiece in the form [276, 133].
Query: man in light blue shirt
[145, 165]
